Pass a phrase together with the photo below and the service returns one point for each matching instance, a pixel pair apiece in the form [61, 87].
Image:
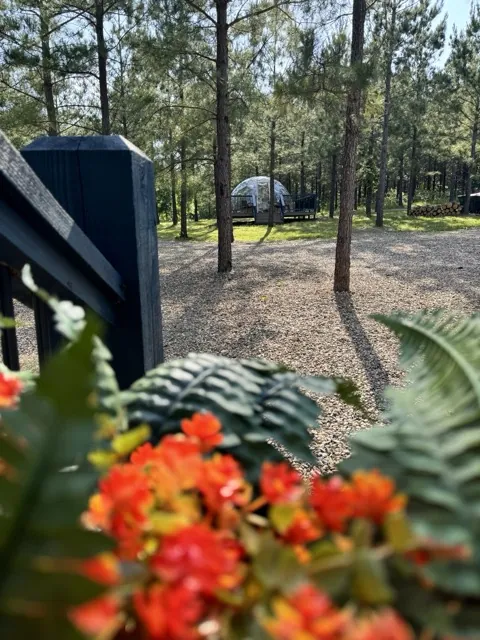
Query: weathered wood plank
[23, 191]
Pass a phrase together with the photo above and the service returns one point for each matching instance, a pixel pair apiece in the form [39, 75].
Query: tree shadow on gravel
[377, 376]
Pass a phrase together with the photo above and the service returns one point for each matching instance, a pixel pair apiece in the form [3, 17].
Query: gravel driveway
[278, 304]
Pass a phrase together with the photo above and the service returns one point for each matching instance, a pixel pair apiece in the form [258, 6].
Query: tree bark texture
[222, 190]
[352, 129]
[333, 185]
[473, 155]
[271, 210]
[183, 189]
[386, 118]
[47, 76]
[302, 166]
[400, 183]
[102, 56]
[173, 181]
[413, 171]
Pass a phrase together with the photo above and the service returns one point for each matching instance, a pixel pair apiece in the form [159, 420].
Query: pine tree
[354, 99]
[465, 65]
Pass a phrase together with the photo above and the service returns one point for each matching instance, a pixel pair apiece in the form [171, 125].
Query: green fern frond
[257, 402]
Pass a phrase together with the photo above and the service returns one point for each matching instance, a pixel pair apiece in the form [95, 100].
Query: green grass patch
[322, 228]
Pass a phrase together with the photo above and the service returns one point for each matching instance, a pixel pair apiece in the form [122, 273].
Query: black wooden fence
[81, 211]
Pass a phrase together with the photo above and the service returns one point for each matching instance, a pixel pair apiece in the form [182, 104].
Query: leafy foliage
[43, 491]
[431, 442]
[70, 321]
[256, 400]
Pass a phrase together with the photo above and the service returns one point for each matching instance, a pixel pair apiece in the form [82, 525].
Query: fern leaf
[256, 401]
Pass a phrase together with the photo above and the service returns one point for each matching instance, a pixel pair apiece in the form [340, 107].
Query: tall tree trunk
[413, 170]
[369, 177]
[352, 129]
[271, 209]
[369, 198]
[355, 198]
[224, 211]
[173, 180]
[453, 182]
[123, 101]
[318, 190]
[473, 155]
[47, 76]
[195, 208]
[302, 166]
[183, 189]
[400, 183]
[386, 118]
[333, 185]
[102, 55]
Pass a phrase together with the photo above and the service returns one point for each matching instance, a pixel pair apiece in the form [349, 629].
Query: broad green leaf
[370, 580]
[281, 516]
[276, 566]
[124, 443]
[49, 490]
[398, 531]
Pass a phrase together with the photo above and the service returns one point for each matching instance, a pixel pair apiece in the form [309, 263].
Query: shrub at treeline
[189, 525]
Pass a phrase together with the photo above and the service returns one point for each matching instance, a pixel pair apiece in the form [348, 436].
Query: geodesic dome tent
[251, 198]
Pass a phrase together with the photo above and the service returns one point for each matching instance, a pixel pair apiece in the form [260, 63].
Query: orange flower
[102, 568]
[222, 483]
[171, 467]
[373, 496]
[332, 501]
[199, 557]
[279, 483]
[205, 427]
[95, 616]
[10, 388]
[302, 529]
[169, 612]
[307, 615]
[386, 625]
[122, 507]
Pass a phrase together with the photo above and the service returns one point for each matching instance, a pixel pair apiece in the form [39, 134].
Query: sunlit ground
[323, 227]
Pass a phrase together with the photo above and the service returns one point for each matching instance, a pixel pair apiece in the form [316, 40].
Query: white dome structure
[251, 198]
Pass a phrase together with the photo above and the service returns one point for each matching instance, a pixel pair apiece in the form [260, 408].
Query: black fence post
[107, 186]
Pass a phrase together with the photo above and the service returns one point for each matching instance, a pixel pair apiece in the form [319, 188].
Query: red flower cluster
[307, 615]
[167, 507]
[280, 483]
[189, 520]
[310, 615]
[10, 389]
[370, 495]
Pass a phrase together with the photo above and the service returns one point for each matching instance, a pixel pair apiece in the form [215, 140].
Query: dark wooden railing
[99, 251]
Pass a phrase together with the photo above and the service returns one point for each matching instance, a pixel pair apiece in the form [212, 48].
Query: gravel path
[278, 304]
